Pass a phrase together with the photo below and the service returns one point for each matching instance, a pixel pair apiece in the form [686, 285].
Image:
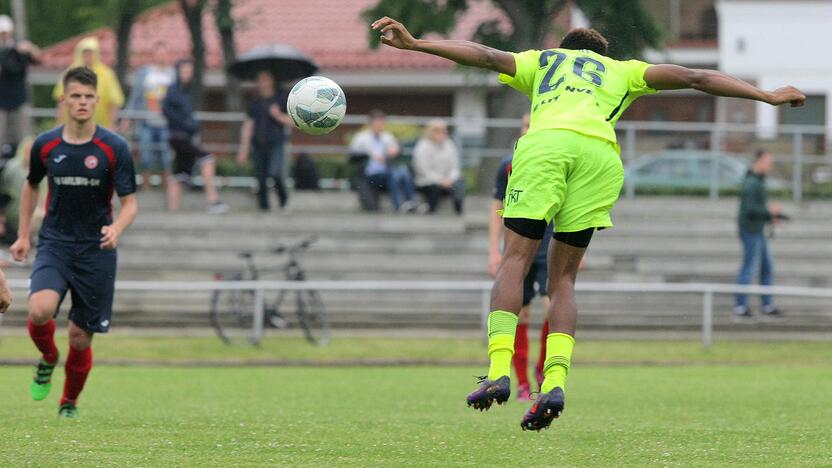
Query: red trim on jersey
[111, 158]
[44, 154]
[508, 169]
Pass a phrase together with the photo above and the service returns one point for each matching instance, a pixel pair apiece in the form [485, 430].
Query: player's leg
[520, 360]
[595, 181]
[92, 287]
[506, 302]
[43, 306]
[77, 368]
[542, 281]
[48, 287]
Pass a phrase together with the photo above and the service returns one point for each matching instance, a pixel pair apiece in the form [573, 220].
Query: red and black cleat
[546, 409]
[490, 391]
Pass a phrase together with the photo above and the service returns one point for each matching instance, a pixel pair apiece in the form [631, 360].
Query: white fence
[708, 290]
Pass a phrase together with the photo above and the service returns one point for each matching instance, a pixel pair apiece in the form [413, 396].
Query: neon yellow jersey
[577, 90]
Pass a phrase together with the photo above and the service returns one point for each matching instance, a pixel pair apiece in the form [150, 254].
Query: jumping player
[567, 168]
[534, 283]
[84, 165]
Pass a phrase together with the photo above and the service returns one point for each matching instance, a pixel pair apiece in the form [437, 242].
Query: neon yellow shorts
[566, 176]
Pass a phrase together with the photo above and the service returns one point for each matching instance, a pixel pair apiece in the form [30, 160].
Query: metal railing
[708, 291]
[635, 138]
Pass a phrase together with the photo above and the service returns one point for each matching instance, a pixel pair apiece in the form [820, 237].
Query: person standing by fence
[754, 213]
[15, 58]
[264, 139]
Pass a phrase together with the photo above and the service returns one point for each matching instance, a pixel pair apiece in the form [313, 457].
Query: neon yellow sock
[558, 356]
[501, 328]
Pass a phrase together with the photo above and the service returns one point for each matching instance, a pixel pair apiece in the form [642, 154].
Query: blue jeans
[268, 164]
[756, 258]
[398, 183]
[154, 148]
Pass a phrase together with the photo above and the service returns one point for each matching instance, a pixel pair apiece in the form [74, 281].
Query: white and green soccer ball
[316, 105]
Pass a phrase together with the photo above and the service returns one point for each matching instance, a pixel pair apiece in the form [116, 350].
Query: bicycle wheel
[232, 315]
[312, 317]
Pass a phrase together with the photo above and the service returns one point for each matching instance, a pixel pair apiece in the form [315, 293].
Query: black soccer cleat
[490, 391]
[546, 409]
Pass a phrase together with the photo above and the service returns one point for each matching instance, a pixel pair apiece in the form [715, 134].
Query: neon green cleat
[68, 410]
[42, 382]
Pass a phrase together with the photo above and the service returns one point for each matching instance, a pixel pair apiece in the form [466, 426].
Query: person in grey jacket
[436, 164]
[754, 213]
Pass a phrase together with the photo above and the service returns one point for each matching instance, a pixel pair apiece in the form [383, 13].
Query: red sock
[521, 354]
[544, 333]
[44, 338]
[78, 365]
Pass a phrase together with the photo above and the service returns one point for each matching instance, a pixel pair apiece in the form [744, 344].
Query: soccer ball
[316, 105]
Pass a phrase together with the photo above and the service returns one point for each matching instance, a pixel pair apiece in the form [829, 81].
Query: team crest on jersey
[91, 162]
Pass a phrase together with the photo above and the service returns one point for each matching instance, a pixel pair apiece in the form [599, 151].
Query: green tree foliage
[50, 21]
[625, 22]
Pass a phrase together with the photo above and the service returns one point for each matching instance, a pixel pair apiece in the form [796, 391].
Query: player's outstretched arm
[718, 83]
[395, 34]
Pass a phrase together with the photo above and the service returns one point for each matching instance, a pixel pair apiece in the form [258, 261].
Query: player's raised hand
[20, 249]
[109, 237]
[5, 294]
[394, 33]
[787, 94]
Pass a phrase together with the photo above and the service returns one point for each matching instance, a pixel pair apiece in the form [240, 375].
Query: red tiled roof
[330, 31]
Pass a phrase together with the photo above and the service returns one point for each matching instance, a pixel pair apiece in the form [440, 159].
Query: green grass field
[739, 404]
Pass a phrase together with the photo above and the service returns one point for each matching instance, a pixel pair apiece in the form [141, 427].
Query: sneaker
[523, 393]
[772, 312]
[217, 208]
[490, 391]
[742, 314]
[42, 381]
[68, 410]
[546, 409]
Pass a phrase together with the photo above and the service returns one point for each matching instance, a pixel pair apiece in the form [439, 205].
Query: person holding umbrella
[264, 137]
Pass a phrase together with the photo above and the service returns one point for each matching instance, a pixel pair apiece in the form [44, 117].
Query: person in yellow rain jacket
[88, 54]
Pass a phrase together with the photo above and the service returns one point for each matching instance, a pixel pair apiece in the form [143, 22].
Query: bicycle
[232, 311]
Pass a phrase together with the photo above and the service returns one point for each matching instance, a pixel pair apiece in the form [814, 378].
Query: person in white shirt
[436, 164]
[381, 149]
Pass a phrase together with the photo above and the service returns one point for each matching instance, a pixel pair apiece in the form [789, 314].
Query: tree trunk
[126, 17]
[225, 26]
[193, 9]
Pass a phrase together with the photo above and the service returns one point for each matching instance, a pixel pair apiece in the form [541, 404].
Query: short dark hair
[760, 153]
[583, 38]
[82, 75]
[376, 114]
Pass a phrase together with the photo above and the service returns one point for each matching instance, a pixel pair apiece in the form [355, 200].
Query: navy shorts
[87, 272]
[536, 277]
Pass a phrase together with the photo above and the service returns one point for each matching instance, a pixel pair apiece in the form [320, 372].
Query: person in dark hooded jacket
[178, 108]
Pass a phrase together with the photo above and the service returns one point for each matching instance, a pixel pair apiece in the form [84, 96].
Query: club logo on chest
[91, 162]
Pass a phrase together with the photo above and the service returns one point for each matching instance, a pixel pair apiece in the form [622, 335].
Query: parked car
[690, 170]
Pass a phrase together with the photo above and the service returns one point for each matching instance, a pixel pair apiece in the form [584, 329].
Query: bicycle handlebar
[302, 245]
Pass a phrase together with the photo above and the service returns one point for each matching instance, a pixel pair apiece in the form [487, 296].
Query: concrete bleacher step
[656, 239]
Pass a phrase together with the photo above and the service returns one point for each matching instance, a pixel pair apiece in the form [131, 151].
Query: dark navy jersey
[82, 179]
[500, 185]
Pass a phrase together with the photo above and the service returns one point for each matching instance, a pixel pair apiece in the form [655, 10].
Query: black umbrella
[284, 62]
